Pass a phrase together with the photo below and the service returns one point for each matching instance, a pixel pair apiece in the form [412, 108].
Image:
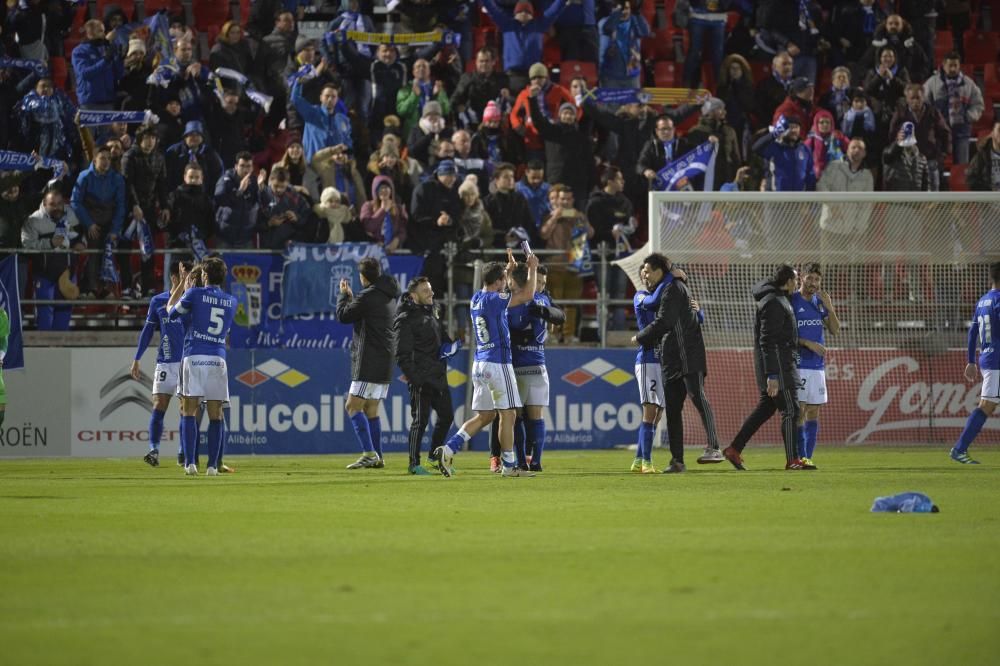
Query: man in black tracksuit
[372, 349]
[422, 349]
[677, 329]
[776, 335]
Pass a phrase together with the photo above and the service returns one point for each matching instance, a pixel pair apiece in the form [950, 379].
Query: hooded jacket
[522, 44]
[677, 332]
[322, 128]
[235, 211]
[145, 179]
[190, 206]
[825, 148]
[373, 346]
[97, 69]
[419, 335]
[374, 225]
[776, 336]
[789, 167]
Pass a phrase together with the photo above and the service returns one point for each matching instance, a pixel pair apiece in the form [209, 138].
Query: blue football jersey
[809, 315]
[985, 326]
[646, 305]
[529, 348]
[209, 313]
[489, 321]
[171, 332]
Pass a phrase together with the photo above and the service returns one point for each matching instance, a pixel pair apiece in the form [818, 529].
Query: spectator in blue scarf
[46, 121]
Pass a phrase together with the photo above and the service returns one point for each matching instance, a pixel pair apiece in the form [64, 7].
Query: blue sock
[215, 434]
[520, 435]
[360, 423]
[809, 431]
[375, 428]
[972, 427]
[155, 429]
[536, 437]
[646, 433]
[189, 439]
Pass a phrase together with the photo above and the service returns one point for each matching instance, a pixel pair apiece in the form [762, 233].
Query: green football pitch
[296, 560]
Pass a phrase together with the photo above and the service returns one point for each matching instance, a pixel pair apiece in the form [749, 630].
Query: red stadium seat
[648, 12]
[956, 181]
[210, 13]
[551, 53]
[991, 81]
[127, 6]
[212, 33]
[666, 74]
[981, 47]
[59, 69]
[760, 70]
[172, 6]
[573, 68]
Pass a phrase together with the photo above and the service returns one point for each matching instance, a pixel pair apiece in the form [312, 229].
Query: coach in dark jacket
[421, 344]
[677, 331]
[776, 335]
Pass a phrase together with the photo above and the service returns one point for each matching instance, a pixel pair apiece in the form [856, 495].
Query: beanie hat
[491, 112]
[567, 105]
[136, 46]
[469, 185]
[330, 195]
[712, 104]
[538, 69]
[431, 108]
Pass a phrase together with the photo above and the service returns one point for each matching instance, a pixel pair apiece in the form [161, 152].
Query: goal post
[903, 270]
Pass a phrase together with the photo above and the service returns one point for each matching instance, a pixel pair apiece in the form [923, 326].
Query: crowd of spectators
[483, 141]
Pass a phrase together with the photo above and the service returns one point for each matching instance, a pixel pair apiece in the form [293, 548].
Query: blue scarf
[387, 229]
[426, 90]
[344, 183]
[37, 66]
[109, 270]
[95, 118]
[141, 229]
[12, 161]
[868, 20]
[304, 71]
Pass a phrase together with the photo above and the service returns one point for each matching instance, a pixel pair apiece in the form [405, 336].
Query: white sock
[509, 459]
[464, 435]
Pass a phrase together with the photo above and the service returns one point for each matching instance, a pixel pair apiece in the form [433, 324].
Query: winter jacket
[522, 44]
[569, 150]
[789, 167]
[190, 206]
[537, 198]
[345, 178]
[620, 44]
[145, 180]
[677, 332]
[37, 233]
[419, 334]
[604, 211]
[474, 91]
[827, 148]
[769, 93]
[228, 131]
[96, 69]
[178, 155]
[302, 229]
[964, 109]
[509, 210]
[845, 218]
[982, 166]
[387, 81]
[372, 312]
[904, 175]
[133, 89]
[100, 199]
[909, 53]
[931, 130]
[46, 124]
[193, 92]
[431, 199]
[853, 23]
[885, 93]
[422, 140]
[409, 105]
[322, 128]
[776, 337]
[375, 224]
[655, 155]
[520, 116]
[727, 157]
[235, 211]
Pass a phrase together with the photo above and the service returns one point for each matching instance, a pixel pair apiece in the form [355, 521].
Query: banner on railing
[10, 301]
[256, 281]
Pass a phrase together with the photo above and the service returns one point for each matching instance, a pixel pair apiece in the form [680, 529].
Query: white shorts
[991, 385]
[650, 379]
[166, 378]
[494, 386]
[533, 385]
[369, 390]
[812, 387]
[205, 377]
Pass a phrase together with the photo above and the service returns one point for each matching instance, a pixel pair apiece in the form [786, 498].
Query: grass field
[298, 561]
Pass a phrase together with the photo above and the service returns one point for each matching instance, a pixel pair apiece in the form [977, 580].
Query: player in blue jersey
[204, 375]
[493, 379]
[814, 314]
[168, 358]
[985, 326]
[528, 330]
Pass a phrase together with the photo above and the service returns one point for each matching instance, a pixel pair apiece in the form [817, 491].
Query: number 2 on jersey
[216, 318]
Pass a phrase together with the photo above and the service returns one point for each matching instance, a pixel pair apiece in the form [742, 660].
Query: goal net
[903, 272]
